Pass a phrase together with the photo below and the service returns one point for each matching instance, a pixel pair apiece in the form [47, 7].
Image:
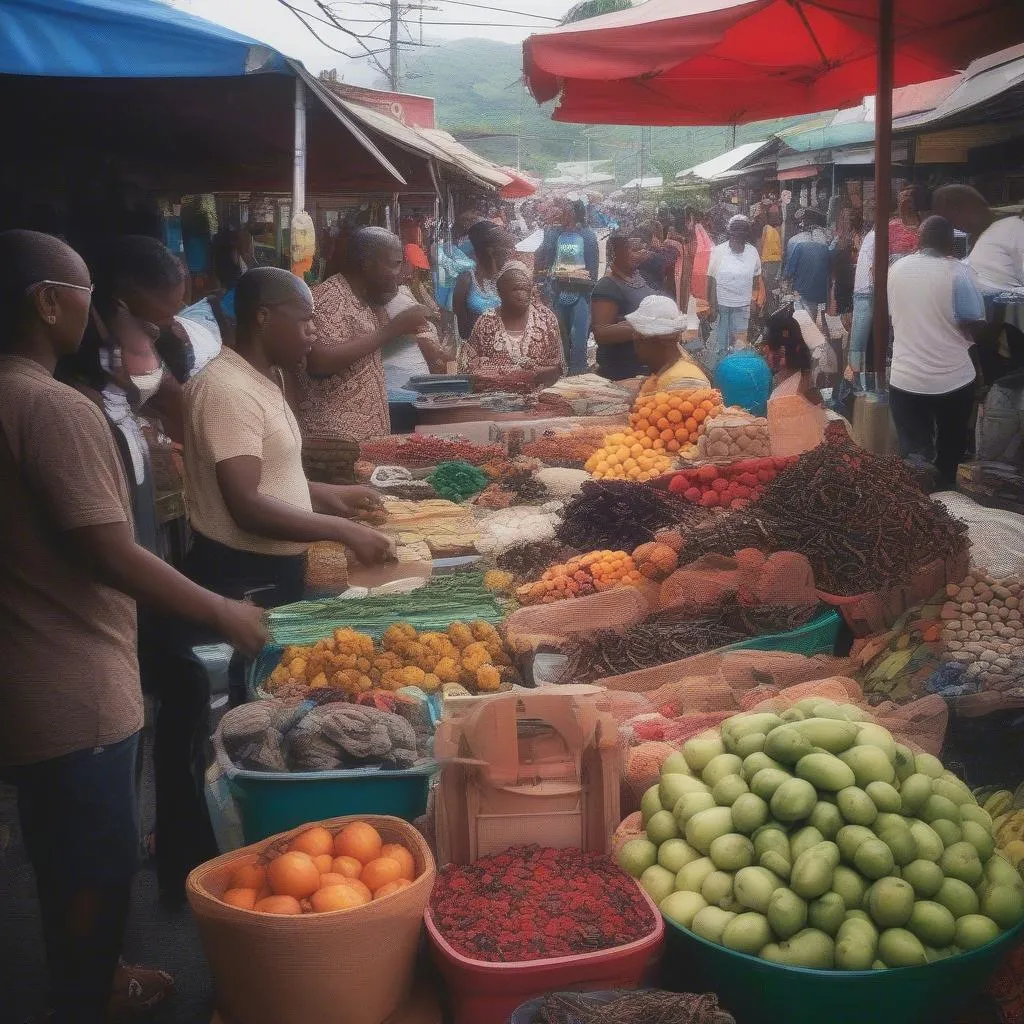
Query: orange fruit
[244, 898]
[323, 863]
[359, 840]
[652, 433]
[682, 435]
[379, 872]
[675, 402]
[314, 841]
[391, 888]
[707, 405]
[674, 416]
[278, 905]
[686, 408]
[360, 887]
[700, 415]
[248, 876]
[673, 445]
[347, 866]
[641, 424]
[336, 897]
[329, 878]
[293, 874]
[666, 435]
[662, 423]
[691, 424]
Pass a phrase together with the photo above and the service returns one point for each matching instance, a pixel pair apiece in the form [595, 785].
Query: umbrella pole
[883, 181]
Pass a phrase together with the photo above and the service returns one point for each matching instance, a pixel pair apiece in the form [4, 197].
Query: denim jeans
[860, 332]
[733, 322]
[574, 324]
[79, 816]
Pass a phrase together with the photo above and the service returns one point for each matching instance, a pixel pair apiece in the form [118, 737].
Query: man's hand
[409, 321]
[369, 546]
[243, 625]
[345, 500]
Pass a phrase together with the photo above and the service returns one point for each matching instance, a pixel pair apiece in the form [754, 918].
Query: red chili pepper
[535, 903]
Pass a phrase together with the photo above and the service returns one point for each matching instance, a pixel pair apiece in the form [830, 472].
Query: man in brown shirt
[70, 573]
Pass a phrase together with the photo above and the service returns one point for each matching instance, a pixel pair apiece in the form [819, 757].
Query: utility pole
[393, 45]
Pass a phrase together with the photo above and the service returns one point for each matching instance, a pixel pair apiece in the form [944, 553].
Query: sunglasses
[63, 284]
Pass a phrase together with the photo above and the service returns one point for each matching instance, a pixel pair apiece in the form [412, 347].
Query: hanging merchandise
[303, 243]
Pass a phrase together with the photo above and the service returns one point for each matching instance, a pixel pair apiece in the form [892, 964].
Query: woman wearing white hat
[658, 327]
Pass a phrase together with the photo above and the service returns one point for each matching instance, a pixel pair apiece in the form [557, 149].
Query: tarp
[696, 62]
[123, 39]
[722, 163]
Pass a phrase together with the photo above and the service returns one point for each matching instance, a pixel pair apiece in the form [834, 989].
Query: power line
[456, 24]
[457, 3]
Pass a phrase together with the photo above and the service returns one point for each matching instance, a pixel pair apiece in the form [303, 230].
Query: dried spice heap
[607, 652]
[534, 903]
[417, 450]
[859, 518]
[618, 514]
[528, 561]
[644, 1007]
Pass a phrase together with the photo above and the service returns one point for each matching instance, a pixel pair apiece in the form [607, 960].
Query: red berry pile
[535, 903]
[730, 486]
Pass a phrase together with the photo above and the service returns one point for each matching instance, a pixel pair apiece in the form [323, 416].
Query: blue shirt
[807, 266]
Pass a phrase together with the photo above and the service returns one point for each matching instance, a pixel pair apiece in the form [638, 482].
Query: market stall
[699, 665]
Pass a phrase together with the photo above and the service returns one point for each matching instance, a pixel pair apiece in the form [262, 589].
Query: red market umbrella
[692, 62]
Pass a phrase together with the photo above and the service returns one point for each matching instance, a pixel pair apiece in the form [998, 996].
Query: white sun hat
[657, 316]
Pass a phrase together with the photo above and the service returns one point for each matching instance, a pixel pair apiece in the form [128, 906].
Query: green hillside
[480, 98]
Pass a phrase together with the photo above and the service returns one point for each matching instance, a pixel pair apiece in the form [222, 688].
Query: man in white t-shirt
[933, 301]
[733, 274]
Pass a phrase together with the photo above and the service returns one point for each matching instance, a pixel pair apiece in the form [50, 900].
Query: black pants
[79, 819]
[179, 681]
[934, 428]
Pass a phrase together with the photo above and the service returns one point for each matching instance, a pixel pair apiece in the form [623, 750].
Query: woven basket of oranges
[287, 948]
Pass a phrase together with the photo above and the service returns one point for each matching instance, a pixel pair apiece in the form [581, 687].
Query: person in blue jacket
[570, 245]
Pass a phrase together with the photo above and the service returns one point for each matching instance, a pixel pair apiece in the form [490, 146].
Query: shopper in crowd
[475, 291]
[460, 233]
[682, 233]
[934, 303]
[70, 573]
[619, 292]
[570, 248]
[659, 261]
[789, 357]
[140, 286]
[863, 309]
[734, 275]
[769, 248]
[845, 249]
[517, 346]
[911, 207]
[253, 514]
[808, 265]
[341, 389]
[997, 259]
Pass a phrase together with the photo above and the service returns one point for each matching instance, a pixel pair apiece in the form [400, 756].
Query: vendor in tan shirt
[70, 574]
[253, 515]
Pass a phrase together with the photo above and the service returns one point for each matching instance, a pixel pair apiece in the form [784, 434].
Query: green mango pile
[814, 839]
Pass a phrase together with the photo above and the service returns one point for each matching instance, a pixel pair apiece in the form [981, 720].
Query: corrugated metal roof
[428, 143]
[709, 169]
[992, 87]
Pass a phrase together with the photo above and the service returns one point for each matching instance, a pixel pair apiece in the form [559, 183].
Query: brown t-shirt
[69, 673]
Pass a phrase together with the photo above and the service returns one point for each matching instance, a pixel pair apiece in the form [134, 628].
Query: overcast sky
[271, 22]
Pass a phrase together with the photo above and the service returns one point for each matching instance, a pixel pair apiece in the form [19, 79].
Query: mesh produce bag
[997, 537]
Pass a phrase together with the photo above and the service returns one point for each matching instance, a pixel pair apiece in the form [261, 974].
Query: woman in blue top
[476, 290]
[571, 247]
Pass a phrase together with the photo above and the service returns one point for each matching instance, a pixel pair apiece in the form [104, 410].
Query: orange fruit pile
[675, 418]
[587, 574]
[321, 871]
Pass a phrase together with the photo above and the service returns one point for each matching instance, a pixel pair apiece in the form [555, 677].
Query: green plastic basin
[760, 992]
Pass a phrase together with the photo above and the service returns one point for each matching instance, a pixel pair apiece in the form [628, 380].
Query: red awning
[693, 62]
[520, 187]
[796, 173]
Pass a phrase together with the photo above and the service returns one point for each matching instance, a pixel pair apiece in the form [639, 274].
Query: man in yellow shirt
[769, 245]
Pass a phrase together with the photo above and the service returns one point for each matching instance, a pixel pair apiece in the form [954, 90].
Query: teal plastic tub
[272, 802]
[815, 637]
[759, 992]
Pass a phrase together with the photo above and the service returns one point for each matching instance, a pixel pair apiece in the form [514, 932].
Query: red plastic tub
[488, 993]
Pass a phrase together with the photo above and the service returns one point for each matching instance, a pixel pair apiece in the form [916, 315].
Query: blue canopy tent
[138, 91]
[123, 39]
